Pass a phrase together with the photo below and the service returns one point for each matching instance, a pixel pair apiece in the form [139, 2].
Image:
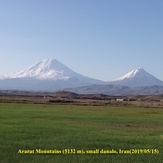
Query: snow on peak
[138, 77]
[46, 69]
[132, 74]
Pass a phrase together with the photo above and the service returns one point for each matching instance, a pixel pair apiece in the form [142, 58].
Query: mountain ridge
[52, 75]
[117, 90]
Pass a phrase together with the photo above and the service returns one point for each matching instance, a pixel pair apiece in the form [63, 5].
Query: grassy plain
[43, 126]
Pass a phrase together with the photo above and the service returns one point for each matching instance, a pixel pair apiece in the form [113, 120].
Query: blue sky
[102, 39]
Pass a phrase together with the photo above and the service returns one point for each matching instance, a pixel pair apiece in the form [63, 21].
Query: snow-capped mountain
[138, 77]
[137, 81]
[46, 75]
[52, 75]
[46, 69]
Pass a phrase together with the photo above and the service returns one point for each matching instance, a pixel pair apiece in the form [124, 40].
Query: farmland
[74, 133]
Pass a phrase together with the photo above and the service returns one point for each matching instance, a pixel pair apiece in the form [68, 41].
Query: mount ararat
[46, 75]
[52, 75]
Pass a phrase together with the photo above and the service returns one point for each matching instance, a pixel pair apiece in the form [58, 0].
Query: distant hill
[117, 90]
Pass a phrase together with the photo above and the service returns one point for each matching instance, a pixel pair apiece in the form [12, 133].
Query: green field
[77, 130]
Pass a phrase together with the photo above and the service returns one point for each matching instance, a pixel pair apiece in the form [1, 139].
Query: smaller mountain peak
[140, 69]
[132, 73]
[138, 77]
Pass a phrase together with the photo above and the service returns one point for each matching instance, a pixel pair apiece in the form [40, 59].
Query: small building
[119, 99]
